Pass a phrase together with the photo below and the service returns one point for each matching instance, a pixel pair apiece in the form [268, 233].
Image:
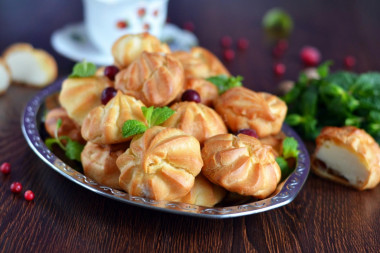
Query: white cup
[107, 20]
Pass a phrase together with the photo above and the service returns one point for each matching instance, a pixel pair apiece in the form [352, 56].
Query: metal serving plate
[31, 128]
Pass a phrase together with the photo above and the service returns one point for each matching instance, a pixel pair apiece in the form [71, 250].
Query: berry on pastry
[241, 164]
[161, 164]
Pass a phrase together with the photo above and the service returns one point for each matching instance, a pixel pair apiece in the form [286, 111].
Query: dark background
[324, 217]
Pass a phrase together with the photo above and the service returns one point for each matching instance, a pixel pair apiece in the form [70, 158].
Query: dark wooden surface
[64, 217]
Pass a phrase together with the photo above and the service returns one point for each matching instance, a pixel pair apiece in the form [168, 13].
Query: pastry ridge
[160, 164]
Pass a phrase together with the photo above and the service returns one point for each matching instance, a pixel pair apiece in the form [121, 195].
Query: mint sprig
[83, 69]
[73, 149]
[154, 117]
[224, 83]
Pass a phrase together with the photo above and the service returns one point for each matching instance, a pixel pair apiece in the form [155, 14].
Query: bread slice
[349, 156]
[5, 76]
[34, 67]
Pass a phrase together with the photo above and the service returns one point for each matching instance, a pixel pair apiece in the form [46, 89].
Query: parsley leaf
[73, 150]
[284, 167]
[83, 69]
[290, 148]
[133, 127]
[224, 83]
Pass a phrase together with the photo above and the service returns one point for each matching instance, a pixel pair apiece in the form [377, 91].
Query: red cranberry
[5, 168]
[189, 26]
[277, 52]
[191, 95]
[229, 54]
[280, 48]
[107, 94]
[29, 195]
[242, 44]
[226, 41]
[349, 62]
[310, 56]
[110, 72]
[248, 131]
[279, 69]
[16, 187]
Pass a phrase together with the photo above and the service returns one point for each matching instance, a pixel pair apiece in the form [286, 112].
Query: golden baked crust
[359, 144]
[99, 163]
[214, 65]
[203, 193]
[5, 76]
[103, 124]
[275, 141]
[207, 90]
[161, 164]
[79, 96]
[193, 66]
[68, 126]
[200, 63]
[197, 120]
[243, 108]
[153, 78]
[129, 47]
[241, 164]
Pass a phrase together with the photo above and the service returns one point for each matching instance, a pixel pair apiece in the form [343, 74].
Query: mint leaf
[224, 83]
[133, 127]
[73, 150]
[83, 69]
[290, 148]
[160, 115]
[148, 111]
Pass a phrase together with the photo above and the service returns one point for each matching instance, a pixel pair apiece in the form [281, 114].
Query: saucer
[71, 41]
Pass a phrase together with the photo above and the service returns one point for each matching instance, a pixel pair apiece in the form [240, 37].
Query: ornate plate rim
[292, 185]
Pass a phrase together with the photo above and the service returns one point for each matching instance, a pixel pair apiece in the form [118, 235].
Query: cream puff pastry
[153, 78]
[241, 164]
[243, 108]
[197, 120]
[347, 155]
[103, 124]
[161, 164]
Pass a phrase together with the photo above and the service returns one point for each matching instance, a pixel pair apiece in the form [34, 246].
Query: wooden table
[64, 217]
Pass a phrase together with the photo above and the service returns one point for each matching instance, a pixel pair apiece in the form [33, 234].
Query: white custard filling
[343, 161]
[26, 68]
[4, 79]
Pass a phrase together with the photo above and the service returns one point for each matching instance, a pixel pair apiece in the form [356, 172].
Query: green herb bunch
[338, 99]
[289, 151]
